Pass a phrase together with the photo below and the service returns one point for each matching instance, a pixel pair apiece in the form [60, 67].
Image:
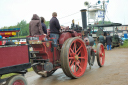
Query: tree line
[24, 26]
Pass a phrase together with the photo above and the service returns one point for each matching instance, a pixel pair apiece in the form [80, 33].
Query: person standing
[108, 41]
[43, 25]
[101, 39]
[35, 27]
[54, 28]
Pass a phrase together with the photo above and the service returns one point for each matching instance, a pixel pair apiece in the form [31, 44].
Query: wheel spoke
[78, 53]
[70, 54]
[71, 50]
[74, 47]
[78, 62]
[82, 58]
[72, 64]
[71, 57]
[78, 48]
[79, 66]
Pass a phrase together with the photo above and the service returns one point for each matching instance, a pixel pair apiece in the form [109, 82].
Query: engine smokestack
[84, 18]
[84, 21]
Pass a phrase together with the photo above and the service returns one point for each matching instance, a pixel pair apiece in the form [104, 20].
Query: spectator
[101, 39]
[108, 41]
[43, 25]
[35, 27]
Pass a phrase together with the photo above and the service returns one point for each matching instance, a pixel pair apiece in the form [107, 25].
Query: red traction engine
[72, 54]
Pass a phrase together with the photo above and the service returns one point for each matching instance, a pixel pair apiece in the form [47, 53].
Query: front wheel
[100, 55]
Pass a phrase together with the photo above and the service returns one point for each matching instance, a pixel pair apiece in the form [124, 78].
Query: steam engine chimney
[84, 21]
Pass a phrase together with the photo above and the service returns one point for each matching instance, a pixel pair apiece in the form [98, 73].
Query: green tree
[24, 28]
[5, 27]
[47, 24]
[105, 22]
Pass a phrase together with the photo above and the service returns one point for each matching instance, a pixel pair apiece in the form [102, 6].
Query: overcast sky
[13, 11]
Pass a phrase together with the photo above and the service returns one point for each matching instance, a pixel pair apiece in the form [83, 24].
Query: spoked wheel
[74, 57]
[16, 80]
[39, 70]
[100, 55]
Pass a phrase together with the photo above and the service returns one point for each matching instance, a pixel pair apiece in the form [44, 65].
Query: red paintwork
[10, 56]
[95, 51]
[23, 42]
[45, 51]
[102, 55]
[63, 37]
[0, 42]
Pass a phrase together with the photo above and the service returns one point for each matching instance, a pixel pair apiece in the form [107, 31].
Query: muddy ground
[114, 72]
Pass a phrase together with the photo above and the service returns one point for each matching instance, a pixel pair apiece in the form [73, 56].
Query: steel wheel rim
[102, 55]
[18, 82]
[77, 58]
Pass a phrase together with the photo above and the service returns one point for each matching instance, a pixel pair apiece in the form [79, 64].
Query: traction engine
[73, 52]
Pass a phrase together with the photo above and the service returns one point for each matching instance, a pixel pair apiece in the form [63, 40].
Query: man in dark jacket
[54, 28]
[108, 41]
[35, 27]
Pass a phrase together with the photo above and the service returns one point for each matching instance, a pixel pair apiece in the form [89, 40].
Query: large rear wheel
[74, 57]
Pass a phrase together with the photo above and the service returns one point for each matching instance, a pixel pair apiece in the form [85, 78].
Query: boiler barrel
[89, 41]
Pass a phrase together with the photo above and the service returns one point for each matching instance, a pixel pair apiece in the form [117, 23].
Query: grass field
[125, 45]
[19, 37]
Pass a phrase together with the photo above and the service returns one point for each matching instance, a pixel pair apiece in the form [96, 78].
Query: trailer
[14, 59]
